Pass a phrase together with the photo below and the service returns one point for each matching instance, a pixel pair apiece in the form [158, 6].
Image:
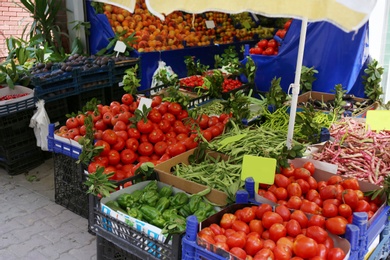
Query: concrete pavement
[33, 226]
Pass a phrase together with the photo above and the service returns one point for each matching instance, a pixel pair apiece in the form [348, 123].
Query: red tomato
[272, 43]
[262, 43]
[362, 206]
[110, 136]
[294, 202]
[253, 245]
[269, 218]
[207, 135]
[203, 121]
[247, 214]
[350, 197]
[236, 239]
[160, 148]
[329, 210]
[301, 217]
[310, 207]
[72, 122]
[106, 147]
[156, 136]
[277, 231]
[281, 180]
[239, 225]
[336, 225]
[261, 209]
[302, 173]
[156, 101]
[270, 196]
[312, 182]
[264, 253]
[316, 220]
[317, 233]
[283, 211]
[132, 144]
[282, 252]
[309, 166]
[80, 119]
[92, 167]
[227, 220]
[255, 225]
[113, 157]
[305, 186]
[119, 145]
[145, 127]
[176, 149]
[174, 108]
[328, 192]
[293, 228]
[334, 179]
[145, 149]
[336, 253]
[281, 193]
[293, 189]
[155, 116]
[128, 156]
[350, 183]
[289, 171]
[127, 99]
[239, 252]
[305, 247]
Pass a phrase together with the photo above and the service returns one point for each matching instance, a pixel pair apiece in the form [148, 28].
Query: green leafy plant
[372, 81]
[10, 74]
[89, 150]
[228, 60]
[44, 13]
[238, 104]
[175, 95]
[213, 82]
[130, 81]
[276, 96]
[166, 78]
[249, 69]
[285, 154]
[140, 115]
[98, 7]
[310, 129]
[128, 41]
[194, 67]
[384, 191]
[98, 183]
[307, 78]
[77, 45]
[339, 102]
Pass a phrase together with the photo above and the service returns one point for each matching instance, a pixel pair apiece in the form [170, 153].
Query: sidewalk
[33, 226]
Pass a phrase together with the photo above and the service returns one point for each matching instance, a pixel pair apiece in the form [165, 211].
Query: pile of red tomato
[281, 33]
[166, 132]
[258, 233]
[335, 199]
[230, 84]
[192, 81]
[265, 47]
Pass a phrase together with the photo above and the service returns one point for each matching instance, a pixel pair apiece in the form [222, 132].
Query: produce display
[128, 137]
[358, 153]
[180, 29]
[261, 232]
[162, 207]
[13, 96]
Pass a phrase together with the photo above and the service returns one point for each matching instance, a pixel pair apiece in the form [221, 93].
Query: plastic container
[57, 110]
[15, 125]
[382, 250]
[62, 145]
[114, 93]
[8, 107]
[55, 88]
[245, 88]
[98, 93]
[23, 165]
[95, 78]
[69, 190]
[19, 151]
[107, 250]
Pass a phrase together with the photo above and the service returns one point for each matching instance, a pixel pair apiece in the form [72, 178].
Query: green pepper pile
[161, 208]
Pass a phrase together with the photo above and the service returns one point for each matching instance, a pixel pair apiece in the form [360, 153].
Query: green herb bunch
[307, 78]
[130, 81]
[194, 67]
[276, 96]
[372, 81]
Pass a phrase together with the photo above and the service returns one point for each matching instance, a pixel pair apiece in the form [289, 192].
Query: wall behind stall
[13, 19]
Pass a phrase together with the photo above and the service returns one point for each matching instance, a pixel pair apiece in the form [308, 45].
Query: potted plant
[11, 74]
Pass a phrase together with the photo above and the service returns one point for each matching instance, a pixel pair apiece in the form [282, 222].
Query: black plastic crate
[94, 78]
[69, 189]
[18, 138]
[114, 93]
[23, 165]
[57, 110]
[19, 150]
[133, 241]
[50, 89]
[15, 124]
[106, 250]
[99, 94]
[119, 69]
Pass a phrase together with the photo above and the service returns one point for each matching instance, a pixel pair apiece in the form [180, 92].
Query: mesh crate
[107, 250]
[128, 238]
[23, 165]
[83, 98]
[19, 137]
[19, 150]
[50, 89]
[57, 110]
[120, 67]
[69, 190]
[18, 104]
[114, 93]
[94, 78]
[15, 125]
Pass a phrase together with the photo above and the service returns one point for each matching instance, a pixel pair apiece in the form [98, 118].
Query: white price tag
[120, 47]
[210, 24]
[144, 101]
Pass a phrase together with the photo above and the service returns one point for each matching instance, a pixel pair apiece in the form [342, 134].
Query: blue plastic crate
[382, 250]
[17, 106]
[58, 146]
[94, 78]
[61, 86]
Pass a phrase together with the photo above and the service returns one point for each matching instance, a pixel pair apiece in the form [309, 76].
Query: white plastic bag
[40, 122]
[161, 67]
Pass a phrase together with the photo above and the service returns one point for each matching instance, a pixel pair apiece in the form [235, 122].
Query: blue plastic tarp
[339, 58]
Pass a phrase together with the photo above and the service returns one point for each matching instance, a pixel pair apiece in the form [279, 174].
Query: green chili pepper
[150, 197]
[162, 204]
[149, 213]
[166, 191]
[194, 203]
[179, 199]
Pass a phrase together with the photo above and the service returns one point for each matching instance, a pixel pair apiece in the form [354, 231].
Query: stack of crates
[19, 152]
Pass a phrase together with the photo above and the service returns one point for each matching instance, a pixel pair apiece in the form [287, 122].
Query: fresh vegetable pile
[126, 137]
[265, 47]
[335, 199]
[358, 153]
[197, 81]
[192, 81]
[259, 232]
[162, 207]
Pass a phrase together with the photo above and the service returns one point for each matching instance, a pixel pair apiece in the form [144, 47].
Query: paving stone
[55, 234]
[23, 249]
[30, 231]
[11, 225]
[7, 254]
[85, 252]
[7, 239]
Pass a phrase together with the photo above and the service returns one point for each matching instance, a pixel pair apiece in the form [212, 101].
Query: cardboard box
[322, 96]
[139, 225]
[165, 175]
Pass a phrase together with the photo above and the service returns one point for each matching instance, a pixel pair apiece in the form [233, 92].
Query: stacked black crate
[19, 152]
